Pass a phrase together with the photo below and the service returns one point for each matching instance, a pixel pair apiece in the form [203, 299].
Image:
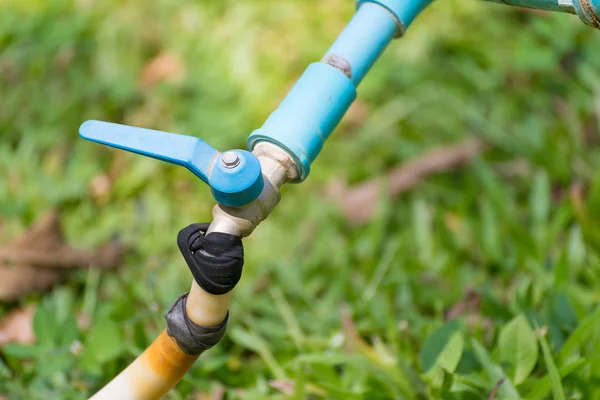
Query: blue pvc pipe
[316, 104]
[364, 39]
[322, 95]
[405, 11]
[308, 115]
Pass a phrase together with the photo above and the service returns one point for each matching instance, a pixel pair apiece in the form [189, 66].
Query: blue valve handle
[187, 151]
[231, 185]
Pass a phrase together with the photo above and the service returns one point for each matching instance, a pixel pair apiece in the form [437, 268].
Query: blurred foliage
[518, 227]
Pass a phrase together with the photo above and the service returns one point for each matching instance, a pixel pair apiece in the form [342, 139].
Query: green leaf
[576, 247]
[104, 342]
[55, 363]
[256, 343]
[22, 351]
[68, 331]
[45, 325]
[540, 197]
[62, 303]
[518, 347]
[4, 371]
[562, 271]
[444, 348]
[494, 372]
[452, 354]
[555, 379]
[447, 384]
[581, 336]
[490, 232]
[542, 387]
[540, 206]
[329, 359]
[562, 312]
[423, 232]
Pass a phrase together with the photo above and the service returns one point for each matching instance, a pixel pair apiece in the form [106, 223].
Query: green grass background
[525, 239]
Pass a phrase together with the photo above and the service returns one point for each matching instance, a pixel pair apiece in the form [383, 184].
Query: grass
[325, 309]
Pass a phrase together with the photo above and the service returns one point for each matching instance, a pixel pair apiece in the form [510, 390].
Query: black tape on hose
[215, 260]
[192, 338]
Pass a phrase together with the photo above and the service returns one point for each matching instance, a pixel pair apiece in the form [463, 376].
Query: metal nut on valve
[230, 159]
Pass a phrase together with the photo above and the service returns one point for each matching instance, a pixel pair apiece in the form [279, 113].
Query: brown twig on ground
[351, 335]
[40, 258]
[359, 202]
[496, 389]
[166, 66]
[469, 310]
[468, 305]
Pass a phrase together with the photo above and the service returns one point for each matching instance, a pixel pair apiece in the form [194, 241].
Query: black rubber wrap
[216, 260]
[192, 338]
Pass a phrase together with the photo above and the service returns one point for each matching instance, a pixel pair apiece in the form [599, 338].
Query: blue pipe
[405, 11]
[366, 36]
[322, 95]
[308, 115]
[363, 40]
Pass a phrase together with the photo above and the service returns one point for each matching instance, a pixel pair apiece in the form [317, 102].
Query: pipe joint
[308, 115]
[278, 167]
[404, 11]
